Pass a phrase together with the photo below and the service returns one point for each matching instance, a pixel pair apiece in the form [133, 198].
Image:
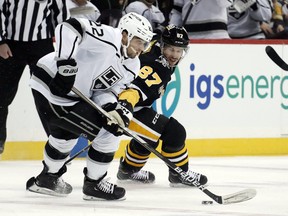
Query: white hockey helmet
[136, 25]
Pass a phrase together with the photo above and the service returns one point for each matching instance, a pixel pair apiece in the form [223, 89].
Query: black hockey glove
[64, 79]
[121, 115]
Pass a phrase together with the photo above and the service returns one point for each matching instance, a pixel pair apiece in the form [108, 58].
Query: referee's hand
[5, 51]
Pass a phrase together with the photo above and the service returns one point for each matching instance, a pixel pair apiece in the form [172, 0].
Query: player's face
[173, 54]
[136, 47]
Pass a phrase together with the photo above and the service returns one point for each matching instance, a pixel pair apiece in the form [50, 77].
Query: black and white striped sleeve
[60, 12]
[29, 20]
[2, 24]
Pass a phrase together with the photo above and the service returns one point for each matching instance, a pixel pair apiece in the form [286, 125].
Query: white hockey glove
[242, 5]
[64, 79]
[121, 115]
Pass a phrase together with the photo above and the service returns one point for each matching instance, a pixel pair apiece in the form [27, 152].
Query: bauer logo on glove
[64, 79]
[67, 67]
[66, 71]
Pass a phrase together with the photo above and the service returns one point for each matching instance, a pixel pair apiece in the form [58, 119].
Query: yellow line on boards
[195, 147]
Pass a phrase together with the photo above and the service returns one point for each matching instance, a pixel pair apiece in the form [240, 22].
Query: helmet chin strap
[124, 50]
[134, 50]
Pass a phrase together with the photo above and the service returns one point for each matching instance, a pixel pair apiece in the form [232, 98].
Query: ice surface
[268, 175]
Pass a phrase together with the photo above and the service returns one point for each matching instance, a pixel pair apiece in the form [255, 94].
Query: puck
[207, 202]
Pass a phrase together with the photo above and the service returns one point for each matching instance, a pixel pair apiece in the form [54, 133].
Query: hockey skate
[141, 176]
[49, 183]
[101, 189]
[177, 181]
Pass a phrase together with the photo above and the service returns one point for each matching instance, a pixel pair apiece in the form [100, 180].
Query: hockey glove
[64, 79]
[121, 115]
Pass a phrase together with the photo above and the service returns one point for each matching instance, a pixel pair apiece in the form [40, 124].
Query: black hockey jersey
[154, 75]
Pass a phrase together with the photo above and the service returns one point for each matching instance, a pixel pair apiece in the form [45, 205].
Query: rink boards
[231, 98]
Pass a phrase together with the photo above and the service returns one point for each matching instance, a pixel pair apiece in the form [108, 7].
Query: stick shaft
[191, 182]
[276, 58]
[77, 154]
[227, 199]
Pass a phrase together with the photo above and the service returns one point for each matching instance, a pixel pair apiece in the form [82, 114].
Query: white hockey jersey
[246, 25]
[152, 14]
[102, 70]
[206, 20]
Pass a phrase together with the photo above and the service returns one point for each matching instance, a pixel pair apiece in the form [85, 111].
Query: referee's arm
[60, 12]
[5, 51]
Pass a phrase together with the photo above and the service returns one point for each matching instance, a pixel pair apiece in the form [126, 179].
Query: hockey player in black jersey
[157, 66]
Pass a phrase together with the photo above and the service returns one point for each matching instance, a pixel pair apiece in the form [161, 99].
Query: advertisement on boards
[228, 91]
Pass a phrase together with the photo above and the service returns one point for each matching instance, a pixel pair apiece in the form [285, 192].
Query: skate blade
[32, 187]
[91, 198]
[180, 185]
[130, 181]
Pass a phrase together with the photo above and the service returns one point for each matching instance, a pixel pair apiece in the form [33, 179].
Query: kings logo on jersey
[107, 79]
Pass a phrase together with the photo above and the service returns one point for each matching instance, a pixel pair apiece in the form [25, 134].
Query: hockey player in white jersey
[246, 25]
[100, 61]
[203, 19]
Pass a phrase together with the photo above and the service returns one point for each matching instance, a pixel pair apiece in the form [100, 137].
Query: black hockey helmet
[175, 36]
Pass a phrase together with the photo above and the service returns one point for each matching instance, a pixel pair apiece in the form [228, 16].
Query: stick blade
[238, 197]
[276, 58]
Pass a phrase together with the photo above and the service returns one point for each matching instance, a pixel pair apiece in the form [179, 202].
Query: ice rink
[268, 175]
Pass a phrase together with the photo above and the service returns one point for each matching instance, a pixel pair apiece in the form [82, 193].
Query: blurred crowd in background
[203, 19]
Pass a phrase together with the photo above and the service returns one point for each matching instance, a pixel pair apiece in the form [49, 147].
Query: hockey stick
[227, 199]
[276, 58]
[77, 154]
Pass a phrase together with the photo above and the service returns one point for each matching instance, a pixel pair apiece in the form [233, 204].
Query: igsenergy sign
[208, 87]
[241, 74]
